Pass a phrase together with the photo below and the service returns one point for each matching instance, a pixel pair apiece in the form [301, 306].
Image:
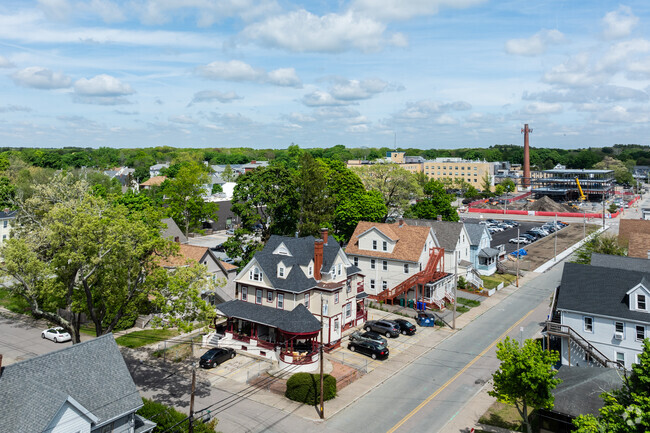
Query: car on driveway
[216, 356]
[406, 327]
[58, 334]
[383, 327]
[519, 240]
[373, 350]
[368, 336]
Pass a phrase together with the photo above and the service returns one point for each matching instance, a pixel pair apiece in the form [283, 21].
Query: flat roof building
[561, 184]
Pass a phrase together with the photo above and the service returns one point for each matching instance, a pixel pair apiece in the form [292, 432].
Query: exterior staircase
[564, 331]
[434, 270]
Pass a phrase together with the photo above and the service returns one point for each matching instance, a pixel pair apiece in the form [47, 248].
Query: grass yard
[137, 339]
[179, 352]
[13, 302]
[494, 280]
[468, 302]
[502, 415]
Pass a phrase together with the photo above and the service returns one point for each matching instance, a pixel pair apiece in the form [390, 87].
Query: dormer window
[339, 269]
[281, 271]
[310, 271]
[640, 302]
[255, 274]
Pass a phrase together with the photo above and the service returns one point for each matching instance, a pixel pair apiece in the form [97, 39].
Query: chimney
[0, 363]
[318, 258]
[439, 218]
[323, 234]
[526, 179]
[401, 222]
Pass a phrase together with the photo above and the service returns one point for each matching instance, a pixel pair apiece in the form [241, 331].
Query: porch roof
[297, 321]
[488, 252]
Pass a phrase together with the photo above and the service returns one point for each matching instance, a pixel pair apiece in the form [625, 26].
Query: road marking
[472, 362]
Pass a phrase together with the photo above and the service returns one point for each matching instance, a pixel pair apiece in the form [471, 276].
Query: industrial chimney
[526, 180]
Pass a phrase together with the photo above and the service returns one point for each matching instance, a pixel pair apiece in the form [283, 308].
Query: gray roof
[172, 231]
[599, 290]
[620, 262]
[475, 232]
[93, 373]
[447, 232]
[298, 320]
[6, 214]
[302, 252]
[579, 392]
[488, 252]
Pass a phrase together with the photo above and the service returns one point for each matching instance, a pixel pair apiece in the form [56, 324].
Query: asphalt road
[429, 393]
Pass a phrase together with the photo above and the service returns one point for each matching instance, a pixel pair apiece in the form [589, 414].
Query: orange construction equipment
[582, 194]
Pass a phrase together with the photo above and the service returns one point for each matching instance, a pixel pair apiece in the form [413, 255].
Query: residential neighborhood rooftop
[410, 240]
[298, 320]
[447, 232]
[579, 392]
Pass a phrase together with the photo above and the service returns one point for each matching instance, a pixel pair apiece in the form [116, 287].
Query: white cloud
[299, 118]
[318, 98]
[403, 10]
[620, 114]
[5, 63]
[534, 45]
[619, 23]
[212, 95]
[575, 72]
[302, 31]
[445, 119]
[102, 85]
[41, 78]
[354, 89]
[107, 10]
[618, 55]
[182, 119]
[427, 109]
[56, 9]
[206, 12]
[542, 108]
[236, 70]
[14, 109]
[285, 77]
[604, 93]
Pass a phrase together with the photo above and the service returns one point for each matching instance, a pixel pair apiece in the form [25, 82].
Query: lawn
[468, 302]
[13, 302]
[494, 280]
[147, 336]
[179, 352]
[502, 415]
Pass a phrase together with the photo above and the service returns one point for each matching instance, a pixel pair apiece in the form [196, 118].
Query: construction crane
[582, 194]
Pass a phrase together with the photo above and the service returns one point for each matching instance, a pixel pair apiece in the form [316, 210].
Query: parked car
[216, 356]
[384, 327]
[519, 240]
[406, 327]
[219, 248]
[230, 232]
[514, 223]
[58, 334]
[491, 221]
[368, 336]
[373, 350]
[530, 238]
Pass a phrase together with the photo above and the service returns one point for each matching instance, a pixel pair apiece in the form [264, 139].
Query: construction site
[543, 204]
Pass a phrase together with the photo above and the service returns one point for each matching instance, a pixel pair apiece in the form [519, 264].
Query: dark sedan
[216, 356]
[373, 350]
[406, 327]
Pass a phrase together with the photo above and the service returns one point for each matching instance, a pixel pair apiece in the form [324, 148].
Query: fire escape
[434, 270]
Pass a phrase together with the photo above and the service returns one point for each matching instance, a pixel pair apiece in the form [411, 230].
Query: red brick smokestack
[318, 258]
[526, 180]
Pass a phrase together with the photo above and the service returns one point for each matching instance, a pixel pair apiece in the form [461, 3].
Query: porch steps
[559, 330]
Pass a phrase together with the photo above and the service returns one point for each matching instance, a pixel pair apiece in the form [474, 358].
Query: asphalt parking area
[240, 369]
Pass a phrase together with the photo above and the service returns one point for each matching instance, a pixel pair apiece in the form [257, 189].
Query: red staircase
[434, 270]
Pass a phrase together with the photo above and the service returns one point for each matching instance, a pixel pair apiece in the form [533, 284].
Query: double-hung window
[640, 332]
[385, 265]
[384, 285]
[280, 301]
[374, 245]
[269, 296]
[589, 324]
[244, 293]
[384, 246]
[372, 263]
[348, 310]
[258, 296]
[356, 261]
[307, 300]
[372, 284]
[336, 297]
[640, 302]
[406, 268]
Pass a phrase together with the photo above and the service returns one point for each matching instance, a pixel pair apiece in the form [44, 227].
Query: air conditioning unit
[618, 335]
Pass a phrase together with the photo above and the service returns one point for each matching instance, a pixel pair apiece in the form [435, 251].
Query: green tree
[216, 188]
[185, 198]
[599, 244]
[471, 192]
[499, 189]
[525, 377]
[366, 206]
[316, 201]
[509, 185]
[228, 174]
[396, 185]
[486, 185]
[436, 202]
[625, 410]
[7, 193]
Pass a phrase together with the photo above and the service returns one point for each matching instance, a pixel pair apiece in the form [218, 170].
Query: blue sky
[265, 74]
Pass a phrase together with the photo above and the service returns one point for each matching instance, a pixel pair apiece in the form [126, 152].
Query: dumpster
[426, 318]
[410, 303]
[401, 302]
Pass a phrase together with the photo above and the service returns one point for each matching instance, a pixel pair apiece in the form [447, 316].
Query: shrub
[305, 388]
[166, 417]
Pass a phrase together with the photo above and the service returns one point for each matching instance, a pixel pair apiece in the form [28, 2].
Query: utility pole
[320, 355]
[453, 323]
[190, 428]
[584, 224]
[517, 278]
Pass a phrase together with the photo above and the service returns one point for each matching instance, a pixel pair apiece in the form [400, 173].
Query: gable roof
[172, 231]
[297, 320]
[409, 241]
[93, 373]
[599, 290]
[185, 253]
[620, 262]
[639, 245]
[301, 254]
[628, 227]
[154, 181]
[579, 392]
[447, 232]
[475, 232]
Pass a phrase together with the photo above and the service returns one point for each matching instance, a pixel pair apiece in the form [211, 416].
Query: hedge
[305, 388]
[166, 417]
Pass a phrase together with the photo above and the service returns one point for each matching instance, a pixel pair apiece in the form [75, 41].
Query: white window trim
[269, 296]
[373, 263]
[584, 324]
[645, 302]
[281, 301]
[636, 332]
[372, 284]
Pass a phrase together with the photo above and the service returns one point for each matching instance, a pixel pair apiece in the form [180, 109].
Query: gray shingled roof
[620, 262]
[302, 252]
[488, 252]
[447, 232]
[475, 232]
[579, 392]
[296, 321]
[93, 373]
[599, 290]
[172, 231]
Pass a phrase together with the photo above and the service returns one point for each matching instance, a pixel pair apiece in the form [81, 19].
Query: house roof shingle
[447, 232]
[579, 392]
[600, 290]
[475, 232]
[620, 262]
[154, 181]
[639, 245]
[628, 227]
[298, 320]
[172, 231]
[93, 373]
[410, 240]
[185, 253]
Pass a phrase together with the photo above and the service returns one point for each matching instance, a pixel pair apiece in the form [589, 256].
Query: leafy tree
[228, 174]
[316, 201]
[599, 244]
[166, 418]
[486, 185]
[216, 188]
[499, 189]
[626, 410]
[525, 377]
[7, 193]
[471, 192]
[396, 185]
[421, 178]
[185, 198]
[436, 202]
[366, 206]
[509, 185]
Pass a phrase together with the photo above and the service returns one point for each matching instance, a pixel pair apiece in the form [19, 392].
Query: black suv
[373, 350]
[384, 327]
[406, 327]
[216, 356]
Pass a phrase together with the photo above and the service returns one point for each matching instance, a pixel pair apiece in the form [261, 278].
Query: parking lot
[241, 369]
[502, 238]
